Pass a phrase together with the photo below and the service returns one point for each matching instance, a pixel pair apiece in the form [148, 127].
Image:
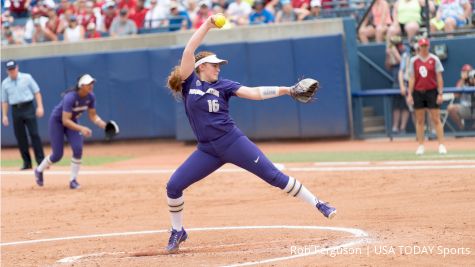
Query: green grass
[366, 156]
[87, 161]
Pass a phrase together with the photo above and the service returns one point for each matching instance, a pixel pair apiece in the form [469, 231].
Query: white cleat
[442, 149]
[420, 150]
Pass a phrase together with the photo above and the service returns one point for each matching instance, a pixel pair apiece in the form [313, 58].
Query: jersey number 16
[213, 105]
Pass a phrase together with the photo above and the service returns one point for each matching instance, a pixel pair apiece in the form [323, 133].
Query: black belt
[23, 104]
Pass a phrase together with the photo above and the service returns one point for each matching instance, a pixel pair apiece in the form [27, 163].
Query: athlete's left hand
[304, 91]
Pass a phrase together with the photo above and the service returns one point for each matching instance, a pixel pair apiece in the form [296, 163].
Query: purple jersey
[207, 108]
[74, 104]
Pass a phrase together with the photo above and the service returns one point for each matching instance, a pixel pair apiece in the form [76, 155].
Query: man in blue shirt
[260, 15]
[18, 90]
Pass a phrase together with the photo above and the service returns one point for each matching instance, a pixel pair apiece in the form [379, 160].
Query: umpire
[18, 90]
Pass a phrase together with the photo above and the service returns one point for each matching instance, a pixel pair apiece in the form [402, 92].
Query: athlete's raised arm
[187, 65]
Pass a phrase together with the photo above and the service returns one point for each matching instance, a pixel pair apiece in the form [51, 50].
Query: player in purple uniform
[63, 122]
[206, 97]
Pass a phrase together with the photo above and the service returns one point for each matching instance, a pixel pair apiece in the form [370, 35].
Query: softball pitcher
[63, 122]
[205, 96]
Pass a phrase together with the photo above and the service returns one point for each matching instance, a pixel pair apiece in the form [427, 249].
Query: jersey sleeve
[4, 93]
[411, 66]
[68, 101]
[187, 83]
[33, 85]
[92, 104]
[230, 88]
[438, 65]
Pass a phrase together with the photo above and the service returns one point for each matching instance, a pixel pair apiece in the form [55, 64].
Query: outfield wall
[131, 89]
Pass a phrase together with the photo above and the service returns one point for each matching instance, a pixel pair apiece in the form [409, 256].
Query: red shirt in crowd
[300, 3]
[108, 18]
[139, 17]
[18, 6]
[129, 4]
[93, 34]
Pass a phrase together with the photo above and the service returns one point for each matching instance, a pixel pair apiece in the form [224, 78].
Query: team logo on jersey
[76, 103]
[213, 92]
[198, 83]
[196, 92]
[79, 109]
[423, 71]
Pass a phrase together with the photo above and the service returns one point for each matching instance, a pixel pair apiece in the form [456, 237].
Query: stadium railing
[387, 95]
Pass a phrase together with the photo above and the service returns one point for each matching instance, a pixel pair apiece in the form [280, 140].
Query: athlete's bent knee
[174, 190]
[77, 152]
[55, 157]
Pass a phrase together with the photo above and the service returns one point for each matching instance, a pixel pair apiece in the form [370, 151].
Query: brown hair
[174, 81]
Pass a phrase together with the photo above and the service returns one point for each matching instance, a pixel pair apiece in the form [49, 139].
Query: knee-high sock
[175, 206]
[44, 164]
[296, 189]
[75, 165]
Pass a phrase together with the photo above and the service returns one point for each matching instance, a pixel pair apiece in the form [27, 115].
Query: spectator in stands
[376, 23]
[42, 33]
[64, 20]
[260, 15]
[178, 19]
[465, 109]
[30, 27]
[327, 4]
[273, 6]
[202, 14]
[65, 5]
[155, 16]
[122, 25]
[403, 74]
[290, 14]
[87, 15]
[224, 4]
[238, 12]
[191, 7]
[91, 32]
[110, 13]
[74, 32]
[394, 49]
[426, 87]
[130, 5]
[19, 8]
[80, 11]
[139, 16]
[451, 14]
[406, 18]
[8, 36]
[286, 14]
[315, 9]
[299, 4]
[53, 24]
[45, 6]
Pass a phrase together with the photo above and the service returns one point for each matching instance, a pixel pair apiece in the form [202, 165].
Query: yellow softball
[219, 20]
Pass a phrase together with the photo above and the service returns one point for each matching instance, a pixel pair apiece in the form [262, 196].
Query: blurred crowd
[406, 17]
[36, 21]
